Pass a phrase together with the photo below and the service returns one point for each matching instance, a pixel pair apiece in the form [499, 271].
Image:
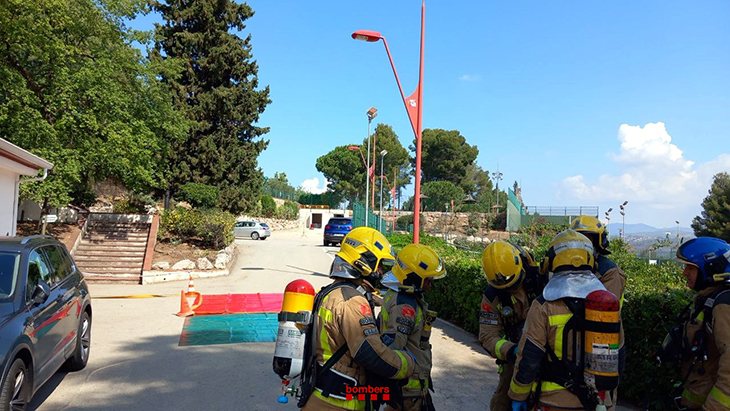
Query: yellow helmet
[415, 263]
[592, 228]
[363, 251]
[502, 265]
[569, 250]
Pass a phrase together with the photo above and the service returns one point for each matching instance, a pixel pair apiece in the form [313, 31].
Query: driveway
[136, 363]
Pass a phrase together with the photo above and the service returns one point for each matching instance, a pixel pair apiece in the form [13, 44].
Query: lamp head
[383, 153]
[372, 113]
[367, 35]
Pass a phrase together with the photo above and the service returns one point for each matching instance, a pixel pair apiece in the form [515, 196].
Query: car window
[264, 225]
[8, 273]
[250, 224]
[60, 264]
[339, 221]
[239, 224]
[37, 270]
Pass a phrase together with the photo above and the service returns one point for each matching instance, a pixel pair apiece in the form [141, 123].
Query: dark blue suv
[336, 229]
[45, 316]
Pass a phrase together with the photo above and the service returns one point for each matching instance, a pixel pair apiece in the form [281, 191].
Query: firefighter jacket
[345, 317]
[499, 334]
[544, 328]
[614, 279]
[708, 384]
[404, 324]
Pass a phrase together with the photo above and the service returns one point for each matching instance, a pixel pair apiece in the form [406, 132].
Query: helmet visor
[386, 265]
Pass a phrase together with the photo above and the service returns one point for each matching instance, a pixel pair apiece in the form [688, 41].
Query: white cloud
[311, 185]
[470, 77]
[654, 174]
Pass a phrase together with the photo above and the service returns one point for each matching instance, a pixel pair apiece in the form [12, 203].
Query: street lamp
[623, 219]
[372, 113]
[496, 176]
[414, 109]
[608, 218]
[380, 216]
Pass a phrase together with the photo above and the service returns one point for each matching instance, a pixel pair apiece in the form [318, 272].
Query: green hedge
[655, 294]
[212, 228]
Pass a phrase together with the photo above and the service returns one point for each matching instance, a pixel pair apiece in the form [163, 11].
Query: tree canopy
[439, 195]
[345, 171]
[74, 91]
[397, 158]
[445, 155]
[715, 218]
[217, 88]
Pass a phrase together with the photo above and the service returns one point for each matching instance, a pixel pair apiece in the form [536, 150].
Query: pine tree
[217, 89]
[715, 219]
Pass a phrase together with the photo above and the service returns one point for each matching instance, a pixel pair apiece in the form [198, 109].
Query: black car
[45, 316]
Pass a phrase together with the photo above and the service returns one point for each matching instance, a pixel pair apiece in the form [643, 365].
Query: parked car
[253, 229]
[45, 316]
[336, 229]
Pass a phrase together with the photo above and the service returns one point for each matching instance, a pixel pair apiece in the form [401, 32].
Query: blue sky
[583, 103]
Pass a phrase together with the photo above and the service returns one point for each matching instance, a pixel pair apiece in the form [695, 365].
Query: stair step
[113, 243]
[111, 270]
[96, 253]
[103, 257]
[113, 278]
[113, 263]
[116, 237]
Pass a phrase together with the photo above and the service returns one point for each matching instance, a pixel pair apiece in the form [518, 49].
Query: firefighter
[548, 352]
[702, 341]
[344, 349]
[611, 275]
[406, 321]
[514, 281]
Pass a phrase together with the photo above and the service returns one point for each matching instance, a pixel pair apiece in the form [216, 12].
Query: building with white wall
[14, 163]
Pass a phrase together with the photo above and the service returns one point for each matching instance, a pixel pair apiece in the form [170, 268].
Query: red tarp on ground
[240, 303]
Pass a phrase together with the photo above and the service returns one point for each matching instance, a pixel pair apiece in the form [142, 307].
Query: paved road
[136, 363]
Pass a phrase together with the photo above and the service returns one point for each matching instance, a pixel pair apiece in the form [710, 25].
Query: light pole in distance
[623, 219]
[364, 163]
[414, 109]
[372, 113]
[380, 216]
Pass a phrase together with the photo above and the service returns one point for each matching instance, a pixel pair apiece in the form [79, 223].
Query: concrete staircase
[112, 247]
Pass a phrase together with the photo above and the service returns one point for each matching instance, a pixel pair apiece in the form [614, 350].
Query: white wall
[7, 202]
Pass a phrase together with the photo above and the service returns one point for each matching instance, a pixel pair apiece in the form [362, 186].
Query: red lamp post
[414, 109]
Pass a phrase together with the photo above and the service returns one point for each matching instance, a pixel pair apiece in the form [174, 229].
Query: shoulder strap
[711, 302]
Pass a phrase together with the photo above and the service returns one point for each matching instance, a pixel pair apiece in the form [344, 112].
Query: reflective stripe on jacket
[402, 323]
[492, 334]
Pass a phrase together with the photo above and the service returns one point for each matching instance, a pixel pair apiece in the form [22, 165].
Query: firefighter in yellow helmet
[406, 321]
[514, 281]
[608, 272]
[547, 350]
[343, 349]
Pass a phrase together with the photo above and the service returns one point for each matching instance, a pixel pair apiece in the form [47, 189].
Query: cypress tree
[217, 87]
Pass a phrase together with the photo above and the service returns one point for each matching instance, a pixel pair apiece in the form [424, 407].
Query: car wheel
[80, 356]
[16, 389]
[263, 238]
[254, 236]
[325, 243]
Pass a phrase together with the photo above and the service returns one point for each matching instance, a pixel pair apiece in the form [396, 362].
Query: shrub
[288, 211]
[654, 296]
[128, 206]
[199, 195]
[212, 228]
[405, 222]
[268, 206]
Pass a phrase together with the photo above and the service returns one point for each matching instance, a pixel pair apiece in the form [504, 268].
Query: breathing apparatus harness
[533, 283]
